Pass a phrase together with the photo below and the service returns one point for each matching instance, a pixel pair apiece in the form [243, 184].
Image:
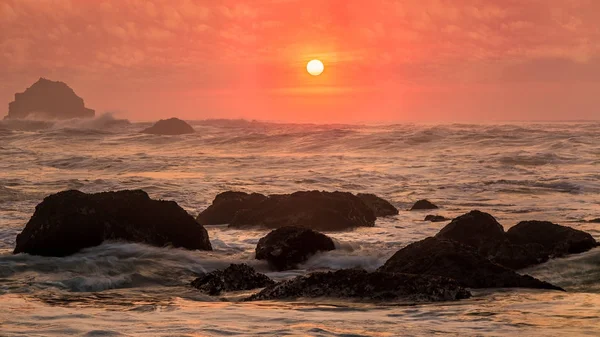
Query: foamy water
[514, 171]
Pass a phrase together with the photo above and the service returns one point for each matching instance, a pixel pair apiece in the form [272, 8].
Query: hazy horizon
[430, 61]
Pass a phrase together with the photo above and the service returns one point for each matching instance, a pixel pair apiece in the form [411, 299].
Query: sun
[315, 67]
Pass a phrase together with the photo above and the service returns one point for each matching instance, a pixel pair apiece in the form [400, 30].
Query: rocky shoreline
[471, 251]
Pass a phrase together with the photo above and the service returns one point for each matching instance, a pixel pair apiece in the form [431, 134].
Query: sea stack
[48, 99]
[169, 127]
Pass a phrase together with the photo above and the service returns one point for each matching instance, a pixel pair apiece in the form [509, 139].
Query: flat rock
[423, 204]
[557, 240]
[169, 127]
[236, 277]
[379, 206]
[323, 211]
[435, 218]
[48, 99]
[448, 258]
[226, 204]
[284, 248]
[66, 222]
[361, 285]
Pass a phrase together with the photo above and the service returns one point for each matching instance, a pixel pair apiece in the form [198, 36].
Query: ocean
[515, 171]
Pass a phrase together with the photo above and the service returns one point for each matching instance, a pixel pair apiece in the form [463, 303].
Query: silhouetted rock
[378, 205]
[476, 228]
[423, 204]
[435, 218]
[169, 127]
[48, 99]
[595, 220]
[226, 204]
[66, 222]
[556, 239]
[361, 285]
[529, 243]
[448, 258]
[324, 211]
[286, 247]
[236, 277]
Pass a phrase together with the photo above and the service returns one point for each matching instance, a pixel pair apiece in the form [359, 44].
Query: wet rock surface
[169, 127]
[422, 205]
[236, 277]
[286, 247]
[66, 222]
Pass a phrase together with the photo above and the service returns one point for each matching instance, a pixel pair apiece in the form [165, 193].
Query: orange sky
[386, 60]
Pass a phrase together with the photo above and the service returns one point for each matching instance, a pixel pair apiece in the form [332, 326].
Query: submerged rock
[48, 99]
[170, 127]
[66, 222]
[557, 240]
[423, 204]
[236, 277]
[359, 284]
[286, 247]
[379, 206]
[595, 220]
[448, 258]
[435, 218]
[226, 204]
[324, 211]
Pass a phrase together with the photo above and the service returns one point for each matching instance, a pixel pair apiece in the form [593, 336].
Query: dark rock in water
[324, 211]
[435, 218]
[359, 284]
[378, 205]
[529, 243]
[169, 127]
[423, 204]
[476, 228]
[236, 277]
[286, 247]
[557, 240]
[595, 220]
[48, 99]
[69, 221]
[437, 256]
[225, 206]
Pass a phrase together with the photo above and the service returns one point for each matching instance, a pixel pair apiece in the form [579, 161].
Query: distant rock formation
[448, 258]
[379, 206]
[48, 99]
[66, 222]
[170, 127]
[236, 277]
[323, 211]
[361, 285]
[286, 247]
[423, 204]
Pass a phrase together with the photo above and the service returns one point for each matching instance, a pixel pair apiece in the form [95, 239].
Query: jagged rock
[324, 211]
[557, 240]
[423, 204]
[448, 258]
[233, 278]
[286, 247]
[378, 205]
[226, 204]
[361, 285]
[66, 222]
[48, 99]
[170, 127]
[435, 218]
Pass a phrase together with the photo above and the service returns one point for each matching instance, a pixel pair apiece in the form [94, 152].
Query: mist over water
[514, 171]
